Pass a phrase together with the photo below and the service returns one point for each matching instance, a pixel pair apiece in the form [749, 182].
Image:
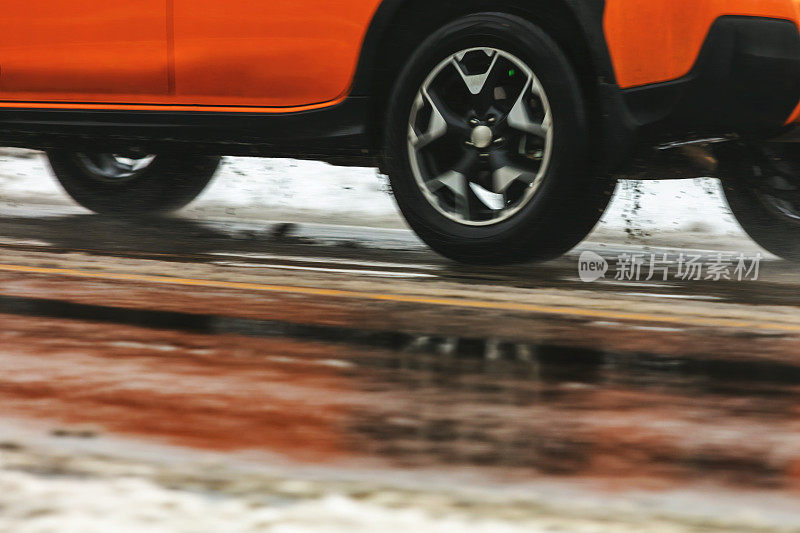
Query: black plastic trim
[373, 67]
[329, 133]
[588, 13]
[746, 80]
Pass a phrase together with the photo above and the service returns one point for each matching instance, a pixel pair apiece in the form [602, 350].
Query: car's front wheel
[487, 144]
[132, 184]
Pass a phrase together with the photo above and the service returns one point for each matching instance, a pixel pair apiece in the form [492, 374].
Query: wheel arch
[399, 26]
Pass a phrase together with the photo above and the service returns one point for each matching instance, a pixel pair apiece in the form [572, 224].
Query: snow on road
[308, 191]
[105, 484]
[35, 504]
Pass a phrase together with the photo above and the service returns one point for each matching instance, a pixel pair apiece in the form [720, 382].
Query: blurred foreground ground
[218, 371]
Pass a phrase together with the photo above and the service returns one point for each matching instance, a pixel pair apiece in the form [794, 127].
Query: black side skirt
[336, 134]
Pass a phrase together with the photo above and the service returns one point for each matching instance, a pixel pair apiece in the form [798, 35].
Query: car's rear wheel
[132, 184]
[487, 144]
[762, 186]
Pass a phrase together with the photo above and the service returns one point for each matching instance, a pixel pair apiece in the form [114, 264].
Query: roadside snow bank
[51, 484]
[35, 504]
[307, 191]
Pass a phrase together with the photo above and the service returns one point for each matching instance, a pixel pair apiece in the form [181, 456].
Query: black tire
[769, 215]
[167, 183]
[568, 203]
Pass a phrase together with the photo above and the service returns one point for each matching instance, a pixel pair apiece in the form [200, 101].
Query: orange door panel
[271, 53]
[653, 41]
[83, 51]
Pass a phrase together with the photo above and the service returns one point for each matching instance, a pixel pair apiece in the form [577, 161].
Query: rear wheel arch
[400, 26]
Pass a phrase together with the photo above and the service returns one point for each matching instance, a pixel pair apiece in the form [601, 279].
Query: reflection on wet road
[335, 396]
[369, 352]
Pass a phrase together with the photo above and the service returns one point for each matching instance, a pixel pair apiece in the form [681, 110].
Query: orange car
[502, 124]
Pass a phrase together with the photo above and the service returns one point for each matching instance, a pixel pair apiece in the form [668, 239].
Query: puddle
[494, 406]
[581, 360]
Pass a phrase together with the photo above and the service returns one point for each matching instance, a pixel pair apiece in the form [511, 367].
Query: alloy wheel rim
[116, 168]
[777, 186]
[480, 136]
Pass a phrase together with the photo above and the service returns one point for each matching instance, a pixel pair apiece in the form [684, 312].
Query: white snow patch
[311, 185]
[309, 191]
[693, 205]
[34, 504]
[25, 176]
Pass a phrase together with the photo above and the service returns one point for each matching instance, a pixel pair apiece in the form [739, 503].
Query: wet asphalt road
[360, 348]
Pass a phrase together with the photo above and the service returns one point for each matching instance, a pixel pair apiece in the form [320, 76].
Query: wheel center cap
[482, 136]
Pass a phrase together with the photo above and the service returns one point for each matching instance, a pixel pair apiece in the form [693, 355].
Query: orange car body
[202, 54]
[278, 54]
[285, 57]
[655, 41]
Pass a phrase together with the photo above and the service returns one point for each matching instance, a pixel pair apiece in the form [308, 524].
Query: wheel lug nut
[499, 140]
[474, 121]
[491, 120]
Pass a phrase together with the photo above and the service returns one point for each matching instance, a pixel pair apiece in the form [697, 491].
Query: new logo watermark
[664, 267]
[591, 267]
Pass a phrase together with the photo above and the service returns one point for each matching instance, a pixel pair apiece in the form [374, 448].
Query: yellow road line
[562, 311]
